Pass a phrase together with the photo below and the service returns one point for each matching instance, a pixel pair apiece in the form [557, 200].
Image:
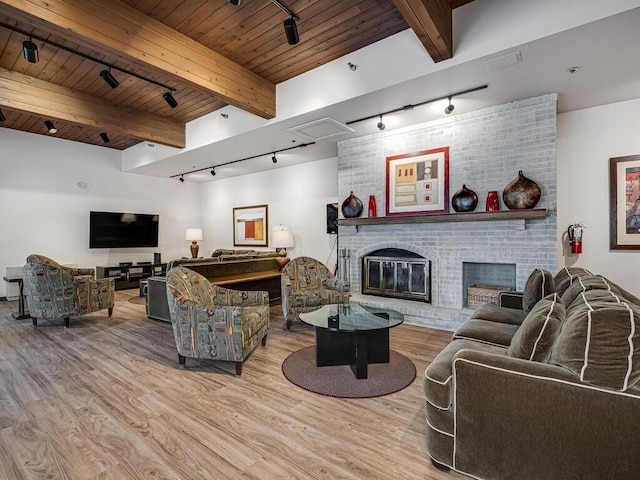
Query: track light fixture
[352, 66]
[448, 110]
[234, 2]
[50, 126]
[169, 99]
[290, 25]
[110, 79]
[212, 168]
[450, 107]
[30, 51]
[2, 117]
[291, 31]
[105, 137]
[213, 172]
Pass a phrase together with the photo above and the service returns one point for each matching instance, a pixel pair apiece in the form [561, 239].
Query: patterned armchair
[55, 291]
[214, 322]
[306, 285]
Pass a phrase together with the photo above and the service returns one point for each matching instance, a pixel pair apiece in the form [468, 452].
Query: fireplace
[397, 273]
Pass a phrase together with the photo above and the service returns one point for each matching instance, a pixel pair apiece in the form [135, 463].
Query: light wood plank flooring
[106, 399]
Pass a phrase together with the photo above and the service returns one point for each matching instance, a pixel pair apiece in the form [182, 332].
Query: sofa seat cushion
[601, 344]
[585, 283]
[539, 285]
[496, 313]
[486, 331]
[566, 276]
[538, 332]
[437, 381]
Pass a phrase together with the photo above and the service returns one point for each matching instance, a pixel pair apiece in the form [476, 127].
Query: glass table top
[351, 317]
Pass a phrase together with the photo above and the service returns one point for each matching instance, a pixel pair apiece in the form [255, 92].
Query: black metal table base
[357, 349]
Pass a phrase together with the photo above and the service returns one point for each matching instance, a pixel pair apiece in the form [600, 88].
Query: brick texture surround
[487, 148]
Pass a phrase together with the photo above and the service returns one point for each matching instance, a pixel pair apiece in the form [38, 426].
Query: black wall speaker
[156, 259]
[332, 218]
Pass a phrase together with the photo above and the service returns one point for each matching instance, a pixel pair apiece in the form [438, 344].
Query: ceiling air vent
[321, 129]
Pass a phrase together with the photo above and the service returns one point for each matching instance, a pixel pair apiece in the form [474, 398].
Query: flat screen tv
[122, 230]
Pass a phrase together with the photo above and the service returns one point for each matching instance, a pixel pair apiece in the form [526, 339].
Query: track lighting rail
[411, 106]
[285, 10]
[83, 55]
[213, 167]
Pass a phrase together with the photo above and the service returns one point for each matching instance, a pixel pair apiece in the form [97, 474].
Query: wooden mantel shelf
[526, 214]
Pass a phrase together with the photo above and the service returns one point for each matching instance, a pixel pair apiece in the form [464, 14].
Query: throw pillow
[534, 338]
[584, 284]
[601, 344]
[566, 276]
[539, 285]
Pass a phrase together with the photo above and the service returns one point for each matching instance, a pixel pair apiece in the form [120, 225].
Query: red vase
[373, 210]
[493, 203]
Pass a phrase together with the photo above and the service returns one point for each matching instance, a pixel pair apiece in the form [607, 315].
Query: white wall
[297, 196]
[586, 140]
[43, 211]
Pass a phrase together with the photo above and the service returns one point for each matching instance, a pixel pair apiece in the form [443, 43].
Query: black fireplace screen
[408, 278]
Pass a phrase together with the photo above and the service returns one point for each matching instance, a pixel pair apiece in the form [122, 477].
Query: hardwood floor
[105, 399]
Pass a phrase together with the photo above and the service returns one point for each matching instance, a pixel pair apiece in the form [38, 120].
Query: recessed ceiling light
[572, 70]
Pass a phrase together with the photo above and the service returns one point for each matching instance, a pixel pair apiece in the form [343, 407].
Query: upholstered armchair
[56, 291]
[306, 285]
[213, 322]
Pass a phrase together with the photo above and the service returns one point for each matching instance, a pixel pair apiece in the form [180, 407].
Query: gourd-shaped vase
[464, 200]
[521, 193]
[352, 207]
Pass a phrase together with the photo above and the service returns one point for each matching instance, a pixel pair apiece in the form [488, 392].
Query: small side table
[19, 279]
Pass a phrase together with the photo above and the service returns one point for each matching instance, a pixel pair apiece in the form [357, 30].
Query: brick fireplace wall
[487, 148]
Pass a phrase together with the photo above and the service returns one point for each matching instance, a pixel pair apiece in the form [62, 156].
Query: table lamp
[281, 239]
[194, 234]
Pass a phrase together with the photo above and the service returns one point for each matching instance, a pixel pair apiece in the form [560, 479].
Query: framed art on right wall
[624, 185]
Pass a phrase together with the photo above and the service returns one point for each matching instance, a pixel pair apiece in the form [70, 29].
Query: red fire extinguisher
[575, 237]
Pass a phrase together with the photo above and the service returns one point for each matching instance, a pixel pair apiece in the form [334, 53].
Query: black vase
[521, 193]
[352, 207]
[464, 200]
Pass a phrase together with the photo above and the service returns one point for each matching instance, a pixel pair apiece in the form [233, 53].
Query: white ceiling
[605, 51]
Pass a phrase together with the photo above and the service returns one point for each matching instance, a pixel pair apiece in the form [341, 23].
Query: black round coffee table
[352, 334]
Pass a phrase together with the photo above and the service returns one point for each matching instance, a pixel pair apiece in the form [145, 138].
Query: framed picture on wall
[251, 226]
[624, 182]
[418, 183]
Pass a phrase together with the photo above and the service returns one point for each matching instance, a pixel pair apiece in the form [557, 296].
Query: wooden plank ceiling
[66, 87]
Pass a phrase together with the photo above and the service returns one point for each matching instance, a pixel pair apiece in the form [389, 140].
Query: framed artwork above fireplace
[418, 183]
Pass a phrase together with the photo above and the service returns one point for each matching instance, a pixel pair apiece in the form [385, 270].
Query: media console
[129, 276]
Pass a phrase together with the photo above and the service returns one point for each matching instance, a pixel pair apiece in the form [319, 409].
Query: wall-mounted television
[122, 230]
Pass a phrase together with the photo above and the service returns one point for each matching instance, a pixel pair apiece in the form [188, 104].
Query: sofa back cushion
[566, 276]
[586, 283]
[601, 344]
[539, 285]
[535, 337]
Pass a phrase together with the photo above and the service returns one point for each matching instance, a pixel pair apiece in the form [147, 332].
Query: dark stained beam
[432, 21]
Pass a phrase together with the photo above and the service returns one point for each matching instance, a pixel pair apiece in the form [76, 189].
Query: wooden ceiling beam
[112, 27]
[432, 22]
[29, 95]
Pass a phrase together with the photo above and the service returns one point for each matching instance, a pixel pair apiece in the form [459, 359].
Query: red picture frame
[418, 183]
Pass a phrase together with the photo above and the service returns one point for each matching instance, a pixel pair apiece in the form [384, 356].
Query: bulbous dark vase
[352, 207]
[464, 200]
[521, 193]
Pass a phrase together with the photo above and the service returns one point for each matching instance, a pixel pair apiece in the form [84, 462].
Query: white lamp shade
[193, 234]
[282, 238]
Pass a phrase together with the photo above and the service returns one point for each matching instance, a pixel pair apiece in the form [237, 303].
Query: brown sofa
[247, 270]
[548, 391]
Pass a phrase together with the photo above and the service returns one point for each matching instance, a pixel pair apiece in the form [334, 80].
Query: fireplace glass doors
[397, 276]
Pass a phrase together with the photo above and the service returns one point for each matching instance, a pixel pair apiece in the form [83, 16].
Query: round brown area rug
[138, 300]
[339, 381]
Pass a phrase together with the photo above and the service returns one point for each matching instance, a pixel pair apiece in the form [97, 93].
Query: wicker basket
[479, 294]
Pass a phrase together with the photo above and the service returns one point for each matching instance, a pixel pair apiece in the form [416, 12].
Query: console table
[19, 279]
